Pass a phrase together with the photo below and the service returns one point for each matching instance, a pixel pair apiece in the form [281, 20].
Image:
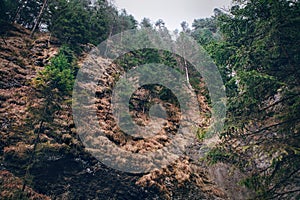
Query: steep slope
[62, 168]
[184, 176]
[19, 58]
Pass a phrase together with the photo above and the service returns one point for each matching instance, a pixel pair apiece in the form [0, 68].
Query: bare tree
[39, 17]
[20, 8]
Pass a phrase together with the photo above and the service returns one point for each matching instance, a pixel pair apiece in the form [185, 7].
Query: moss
[201, 134]
[217, 155]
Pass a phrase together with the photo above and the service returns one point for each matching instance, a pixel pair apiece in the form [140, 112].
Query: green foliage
[69, 21]
[126, 21]
[216, 155]
[59, 74]
[7, 10]
[54, 83]
[78, 22]
[258, 59]
[264, 58]
[145, 56]
[22, 12]
[254, 182]
[207, 23]
[201, 134]
[73, 22]
[205, 31]
[146, 23]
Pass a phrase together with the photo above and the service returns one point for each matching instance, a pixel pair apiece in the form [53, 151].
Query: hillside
[62, 168]
[96, 105]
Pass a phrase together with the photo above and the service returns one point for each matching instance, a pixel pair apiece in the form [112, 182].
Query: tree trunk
[3, 40]
[49, 40]
[31, 161]
[186, 69]
[108, 41]
[17, 15]
[39, 17]
[187, 74]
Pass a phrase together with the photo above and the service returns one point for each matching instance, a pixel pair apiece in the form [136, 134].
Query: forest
[44, 48]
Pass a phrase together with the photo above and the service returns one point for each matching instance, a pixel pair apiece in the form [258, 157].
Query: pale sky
[172, 12]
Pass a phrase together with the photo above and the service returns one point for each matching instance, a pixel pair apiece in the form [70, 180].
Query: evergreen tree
[146, 23]
[205, 31]
[160, 24]
[7, 10]
[259, 57]
[69, 21]
[53, 84]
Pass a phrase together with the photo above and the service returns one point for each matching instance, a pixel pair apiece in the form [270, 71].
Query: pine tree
[146, 23]
[259, 56]
[52, 84]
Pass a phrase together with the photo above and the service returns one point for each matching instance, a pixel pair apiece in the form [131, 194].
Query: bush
[59, 74]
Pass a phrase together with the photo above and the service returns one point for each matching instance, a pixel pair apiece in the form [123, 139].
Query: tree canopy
[258, 55]
[73, 22]
[255, 44]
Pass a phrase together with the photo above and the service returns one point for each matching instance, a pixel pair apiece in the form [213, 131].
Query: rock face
[62, 168]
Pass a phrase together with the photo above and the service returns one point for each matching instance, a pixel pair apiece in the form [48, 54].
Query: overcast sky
[173, 12]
